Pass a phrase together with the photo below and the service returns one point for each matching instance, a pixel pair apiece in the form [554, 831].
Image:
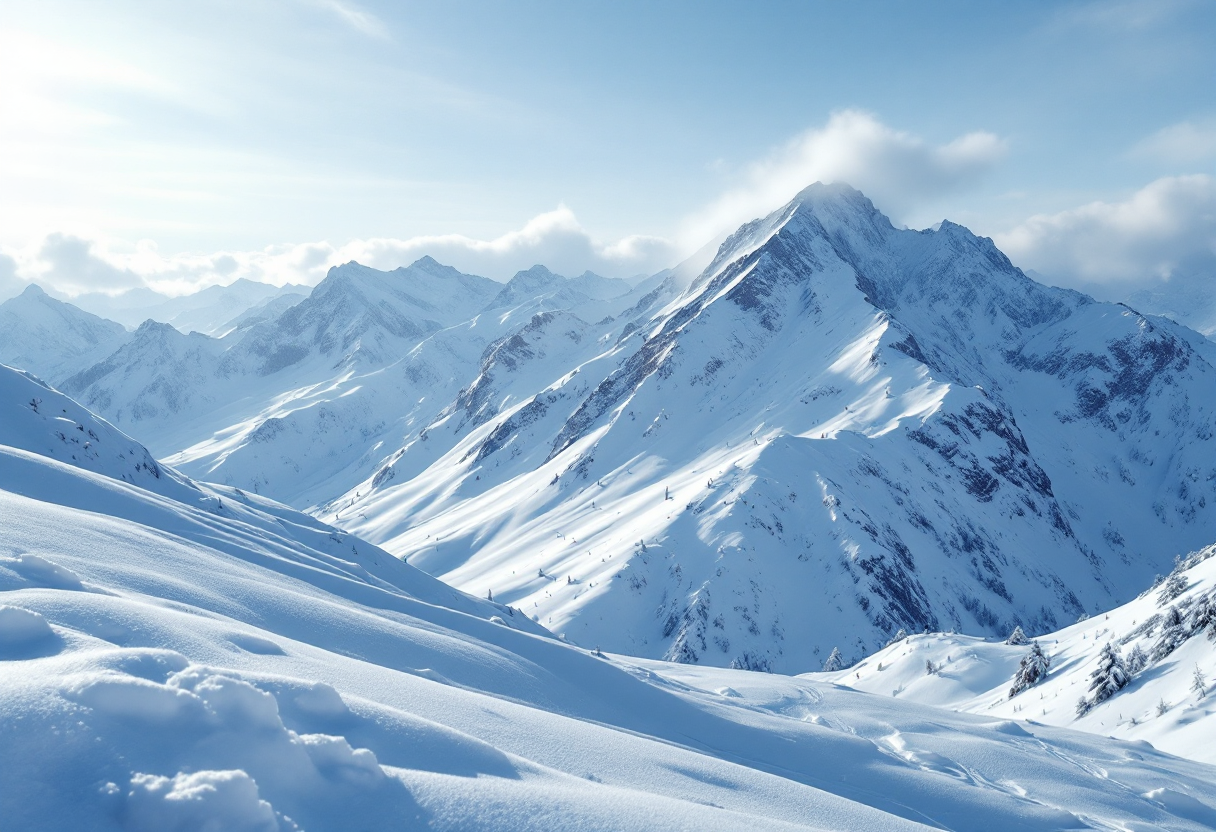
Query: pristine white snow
[175, 655]
[1161, 705]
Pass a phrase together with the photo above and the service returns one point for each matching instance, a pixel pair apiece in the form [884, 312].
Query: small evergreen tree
[1136, 660]
[1032, 670]
[1017, 637]
[1173, 634]
[930, 668]
[1203, 617]
[1199, 683]
[898, 637]
[1083, 706]
[834, 661]
[1110, 676]
[1174, 586]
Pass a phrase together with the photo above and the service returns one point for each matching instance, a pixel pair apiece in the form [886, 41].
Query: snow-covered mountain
[207, 311]
[307, 400]
[178, 655]
[267, 310]
[52, 338]
[836, 430]
[1165, 641]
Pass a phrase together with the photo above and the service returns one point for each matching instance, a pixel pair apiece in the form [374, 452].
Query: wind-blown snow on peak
[838, 429]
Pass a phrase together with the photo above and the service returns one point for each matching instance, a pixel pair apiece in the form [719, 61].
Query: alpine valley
[367, 552]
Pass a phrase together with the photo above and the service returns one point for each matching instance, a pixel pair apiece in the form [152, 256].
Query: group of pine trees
[1113, 672]
[1178, 624]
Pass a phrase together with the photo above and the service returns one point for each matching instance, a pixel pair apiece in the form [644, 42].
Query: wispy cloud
[38, 77]
[1117, 15]
[896, 169]
[1186, 142]
[356, 18]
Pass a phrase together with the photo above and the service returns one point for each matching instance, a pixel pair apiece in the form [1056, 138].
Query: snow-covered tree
[1199, 683]
[1083, 706]
[834, 661]
[1202, 617]
[931, 668]
[1032, 670]
[1110, 676]
[1017, 637]
[1136, 660]
[898, 637]
[1173, 634]
[1174, 586]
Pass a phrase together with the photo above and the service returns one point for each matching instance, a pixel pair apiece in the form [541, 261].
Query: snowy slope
[1161, 705]
[836, 430]
[195, 658]
[52, 338]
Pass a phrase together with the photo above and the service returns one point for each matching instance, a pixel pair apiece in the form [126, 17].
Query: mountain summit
[837, 430]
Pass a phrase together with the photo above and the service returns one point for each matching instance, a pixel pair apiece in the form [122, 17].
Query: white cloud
[555, 239]
[897, 170]
[1167, 228]
[73, 264]
[1182, 143]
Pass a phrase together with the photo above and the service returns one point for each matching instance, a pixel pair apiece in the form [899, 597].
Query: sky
[178, 145]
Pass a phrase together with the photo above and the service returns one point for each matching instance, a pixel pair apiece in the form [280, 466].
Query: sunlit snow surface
[176, 656]
[1160, 705]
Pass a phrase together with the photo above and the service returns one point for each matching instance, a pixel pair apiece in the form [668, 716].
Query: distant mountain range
[210, 311]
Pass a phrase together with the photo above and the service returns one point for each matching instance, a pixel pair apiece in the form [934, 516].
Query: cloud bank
[75, 265]
[1164, 231]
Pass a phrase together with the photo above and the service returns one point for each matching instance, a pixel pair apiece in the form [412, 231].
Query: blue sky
[183, 144]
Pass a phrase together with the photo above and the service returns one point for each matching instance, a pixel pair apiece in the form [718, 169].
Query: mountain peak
[34, 291]
[537, 272]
